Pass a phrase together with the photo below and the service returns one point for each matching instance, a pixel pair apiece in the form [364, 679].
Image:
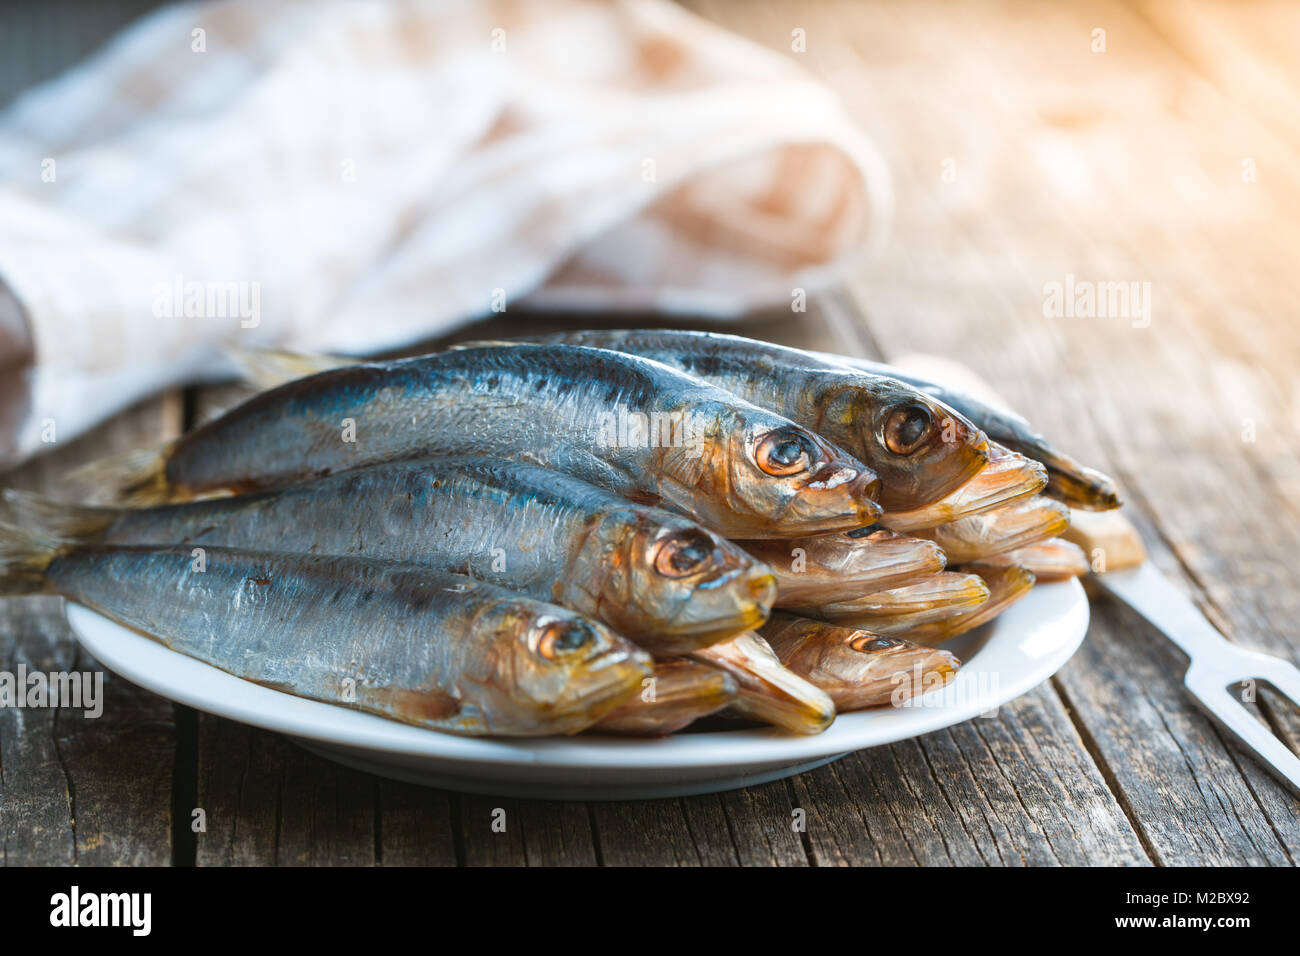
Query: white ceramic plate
[1020, 649]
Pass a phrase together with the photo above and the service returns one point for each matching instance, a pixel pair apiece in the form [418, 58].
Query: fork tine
[1283, 676]
[1230, 714]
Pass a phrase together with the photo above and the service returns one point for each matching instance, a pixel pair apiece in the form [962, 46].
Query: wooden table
[1020, 156]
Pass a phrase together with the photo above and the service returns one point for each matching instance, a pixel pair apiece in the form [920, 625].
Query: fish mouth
[918, 670]
[1046, 520]
[739, 600]
[830, 501]
[1006, 585]
[860, 483]
[693, 684]
[767, 691]
[944, 596]
[970, 592]
[607, 680]
[966, 460]
[696, 629]
[1001, 482]
[671, 619]
[736, 568]
[685, 691]
[705, 695]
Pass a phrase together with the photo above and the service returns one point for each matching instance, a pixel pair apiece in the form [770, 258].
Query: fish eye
[783, 453]
[871, 642]
[906, 428]
[684, 554]
[564, 638]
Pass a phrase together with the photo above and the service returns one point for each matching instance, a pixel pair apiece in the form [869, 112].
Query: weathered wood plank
[327, 813]
[73, 789]
[644, 833]
[1012, 789]
[492, 830]
[238, 789]
[750, 827]
[417, 827]
[503, 831]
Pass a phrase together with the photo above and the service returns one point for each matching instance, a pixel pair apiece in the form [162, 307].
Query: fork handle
[1127, 574]
[1151, 594]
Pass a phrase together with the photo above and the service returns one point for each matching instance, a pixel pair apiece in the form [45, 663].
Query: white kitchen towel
[356, 176]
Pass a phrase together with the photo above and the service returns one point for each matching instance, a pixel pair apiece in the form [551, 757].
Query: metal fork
[1216, 664]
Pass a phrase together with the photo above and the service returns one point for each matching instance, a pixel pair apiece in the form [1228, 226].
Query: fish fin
[267, 368]
[24, 556]
[486, 344]
[644, 498]
[135, 478]
[68, 522]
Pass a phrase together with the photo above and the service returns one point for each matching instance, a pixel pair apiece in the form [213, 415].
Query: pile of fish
[617, 532]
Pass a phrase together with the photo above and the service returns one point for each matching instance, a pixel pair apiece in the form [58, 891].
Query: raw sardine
[623, 423]
[655, 577]
[436, 650]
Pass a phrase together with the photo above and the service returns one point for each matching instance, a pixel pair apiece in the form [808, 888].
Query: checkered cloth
[357, 176]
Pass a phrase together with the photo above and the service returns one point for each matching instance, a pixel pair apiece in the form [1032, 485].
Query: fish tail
[24, 557]
[137, 478]
[268, 368]
[56, 519]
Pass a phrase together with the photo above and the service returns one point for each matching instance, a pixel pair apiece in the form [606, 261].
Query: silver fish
[920, 448]
[654, 576]
[389, 638]
[623, 423]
